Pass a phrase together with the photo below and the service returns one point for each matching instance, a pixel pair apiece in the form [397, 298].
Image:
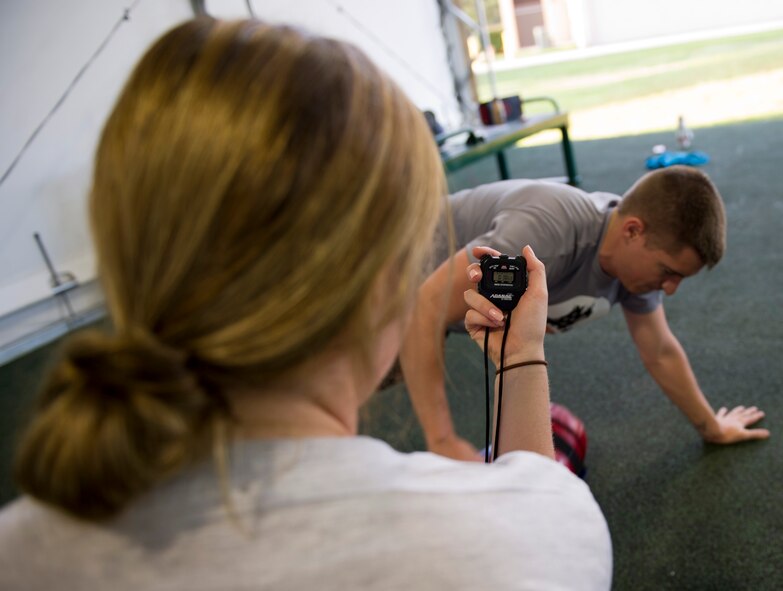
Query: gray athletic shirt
[565, 226]
[329, 514]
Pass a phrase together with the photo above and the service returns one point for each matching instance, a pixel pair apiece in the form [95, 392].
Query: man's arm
[440, 302]
[665, 359]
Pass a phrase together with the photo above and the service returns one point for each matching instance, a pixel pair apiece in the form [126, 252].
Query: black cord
[126, 14]
[500, 386]
[388, 50]
[486, 387]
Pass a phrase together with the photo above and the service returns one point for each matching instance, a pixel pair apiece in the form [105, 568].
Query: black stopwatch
[503, 280]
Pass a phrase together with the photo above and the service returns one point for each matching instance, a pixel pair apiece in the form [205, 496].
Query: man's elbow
[657, 354]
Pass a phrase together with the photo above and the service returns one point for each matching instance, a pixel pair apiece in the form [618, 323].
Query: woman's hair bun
[118, 414]
[117, 365]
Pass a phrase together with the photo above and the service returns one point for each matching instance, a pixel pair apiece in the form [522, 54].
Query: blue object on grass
[670, 158]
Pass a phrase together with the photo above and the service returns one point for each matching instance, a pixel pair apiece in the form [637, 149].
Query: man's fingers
[757, 434]
[746, 415]
[752, 417]
[738, 419]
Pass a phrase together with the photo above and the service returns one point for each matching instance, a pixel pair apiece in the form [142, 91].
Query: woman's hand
[525, 339]
[455, 447]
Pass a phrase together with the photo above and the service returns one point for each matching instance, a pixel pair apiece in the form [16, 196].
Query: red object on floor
[570, 439]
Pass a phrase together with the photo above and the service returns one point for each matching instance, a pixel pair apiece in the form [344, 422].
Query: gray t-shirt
[565, 226]
[327, 514]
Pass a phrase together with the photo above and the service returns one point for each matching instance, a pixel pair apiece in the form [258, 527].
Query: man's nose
[670, 285]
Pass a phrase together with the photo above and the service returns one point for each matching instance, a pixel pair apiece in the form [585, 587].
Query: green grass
[584, 83]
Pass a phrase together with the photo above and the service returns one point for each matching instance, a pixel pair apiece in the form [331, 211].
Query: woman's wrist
[525, 354]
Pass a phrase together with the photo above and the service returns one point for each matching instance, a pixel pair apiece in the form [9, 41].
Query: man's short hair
[680, 207]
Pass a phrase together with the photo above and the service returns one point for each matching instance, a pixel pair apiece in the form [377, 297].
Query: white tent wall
[48, 136]
[404, 37]
[50, 126]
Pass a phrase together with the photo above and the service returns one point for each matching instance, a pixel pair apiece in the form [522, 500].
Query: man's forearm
[672, 371]
[423, 371]
[439, 304]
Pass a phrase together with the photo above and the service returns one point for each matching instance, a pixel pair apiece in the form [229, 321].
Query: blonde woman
[261, 208]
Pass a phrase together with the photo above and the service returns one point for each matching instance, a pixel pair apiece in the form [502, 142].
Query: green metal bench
[493, 140]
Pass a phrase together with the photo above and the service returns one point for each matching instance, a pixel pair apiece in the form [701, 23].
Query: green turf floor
[682, 514]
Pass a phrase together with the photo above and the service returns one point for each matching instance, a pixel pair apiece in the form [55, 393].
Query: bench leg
[568, 156]
[503, 165]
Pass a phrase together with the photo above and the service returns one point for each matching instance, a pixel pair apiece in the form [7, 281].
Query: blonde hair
[681, 208]
[252, 187]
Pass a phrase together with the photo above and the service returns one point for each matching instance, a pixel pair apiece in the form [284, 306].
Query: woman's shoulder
[20, 518]
[526, 514]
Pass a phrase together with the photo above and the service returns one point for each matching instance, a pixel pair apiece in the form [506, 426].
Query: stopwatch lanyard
[500, 389]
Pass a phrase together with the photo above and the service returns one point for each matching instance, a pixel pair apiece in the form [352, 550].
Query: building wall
[529, 17]
[45, 45]
[557, 23]
[610, 21]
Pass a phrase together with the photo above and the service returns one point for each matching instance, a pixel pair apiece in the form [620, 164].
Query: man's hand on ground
[733, 425]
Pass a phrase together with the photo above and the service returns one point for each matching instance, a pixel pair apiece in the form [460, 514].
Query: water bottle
[684, 136]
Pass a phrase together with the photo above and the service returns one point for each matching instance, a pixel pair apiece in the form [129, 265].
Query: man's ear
[633, 227]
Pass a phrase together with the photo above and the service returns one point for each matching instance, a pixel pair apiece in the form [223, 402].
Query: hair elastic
[522, 364]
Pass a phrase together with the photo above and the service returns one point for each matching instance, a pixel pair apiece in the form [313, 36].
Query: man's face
[645, 268]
